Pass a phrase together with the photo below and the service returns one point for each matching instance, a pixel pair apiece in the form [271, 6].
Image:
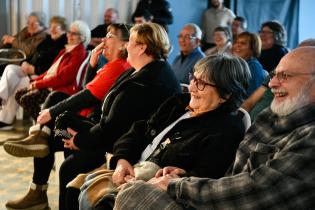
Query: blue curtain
[258, 11]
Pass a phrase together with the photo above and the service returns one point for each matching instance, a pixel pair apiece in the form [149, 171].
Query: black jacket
[46, 52]
[133, 97]
[204, 145]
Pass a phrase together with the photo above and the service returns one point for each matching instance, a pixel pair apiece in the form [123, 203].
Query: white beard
[288, 106]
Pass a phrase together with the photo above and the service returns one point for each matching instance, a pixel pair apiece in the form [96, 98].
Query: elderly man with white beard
[274, 167]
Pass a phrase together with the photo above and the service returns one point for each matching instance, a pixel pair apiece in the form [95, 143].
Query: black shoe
[5, 126]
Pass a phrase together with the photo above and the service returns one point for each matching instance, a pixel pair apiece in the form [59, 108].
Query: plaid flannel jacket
[274, 169]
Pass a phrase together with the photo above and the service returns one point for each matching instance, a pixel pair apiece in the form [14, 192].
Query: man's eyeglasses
[73, 33]
[186, 37]
[200, 84]
[284, 76]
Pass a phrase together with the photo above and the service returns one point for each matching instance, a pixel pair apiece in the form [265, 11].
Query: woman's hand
[123, 172]
[69, 143]
[95, 54]
[44, 117]
[27, 68]
[170, 170]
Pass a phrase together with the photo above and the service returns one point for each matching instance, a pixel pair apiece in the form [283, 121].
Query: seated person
[99, 32]
[248, 46]
[135, 94]
[61, 76]
[274, 164]
[16, 77]
[28, 38]
[41, 144]
[190, 52]
[182, 133]
[222, 39]
[273, 39]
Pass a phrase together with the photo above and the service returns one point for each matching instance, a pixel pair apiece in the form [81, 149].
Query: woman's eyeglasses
[200, 84]
[73, 33]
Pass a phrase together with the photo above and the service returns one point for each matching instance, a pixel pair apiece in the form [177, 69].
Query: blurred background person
[248, 46]
[16, 77]
[216, 15]
[28, 38]
[160, 11]
[273, 37]
[142, 16]
[223, 41]
[238, 26]
[189, 43]
[110, 16]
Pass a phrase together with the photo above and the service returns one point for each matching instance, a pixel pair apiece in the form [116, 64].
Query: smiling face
[73, 36]
[33, 25]
[203, 100]
[55, 30]
[113, 44]
[187, 40]
[220, 39]
[241, 47]
[295, 88]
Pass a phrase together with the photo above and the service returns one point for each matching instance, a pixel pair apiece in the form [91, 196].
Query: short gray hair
[41, 17]
[195, 28]
[231, 76]
[84, 30]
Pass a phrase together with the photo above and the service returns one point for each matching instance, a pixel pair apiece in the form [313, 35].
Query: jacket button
[153, 132]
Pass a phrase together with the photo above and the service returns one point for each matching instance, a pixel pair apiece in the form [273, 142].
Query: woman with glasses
[273, 37]
[196, 134]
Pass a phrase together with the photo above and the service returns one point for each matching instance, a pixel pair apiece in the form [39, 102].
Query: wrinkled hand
[44, 117]
[123, 172]
[96, 53]
[163, 181]
[7, 39]
[27, 68]
[171, 170]
[69, 143]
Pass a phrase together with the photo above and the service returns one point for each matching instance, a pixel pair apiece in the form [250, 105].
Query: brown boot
[35, 145]
[35, 199]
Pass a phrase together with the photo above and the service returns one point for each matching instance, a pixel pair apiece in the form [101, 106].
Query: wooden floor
[16, 173]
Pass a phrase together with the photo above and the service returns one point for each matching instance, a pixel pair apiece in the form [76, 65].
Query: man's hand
[170, 170]
[7, 39]
[163, 181]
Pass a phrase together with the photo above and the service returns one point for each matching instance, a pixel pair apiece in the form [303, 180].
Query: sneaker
[5, 126]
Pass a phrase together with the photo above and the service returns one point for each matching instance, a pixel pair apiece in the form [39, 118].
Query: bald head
[301, 59]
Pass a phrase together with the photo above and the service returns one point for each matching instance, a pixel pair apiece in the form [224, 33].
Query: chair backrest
[82, 70]
[245, 117]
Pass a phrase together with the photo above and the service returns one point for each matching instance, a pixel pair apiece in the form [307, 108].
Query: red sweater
[104, 79]
[65, 78]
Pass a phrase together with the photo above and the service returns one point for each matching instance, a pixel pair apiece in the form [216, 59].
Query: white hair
[84, 30]
[195, 28]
